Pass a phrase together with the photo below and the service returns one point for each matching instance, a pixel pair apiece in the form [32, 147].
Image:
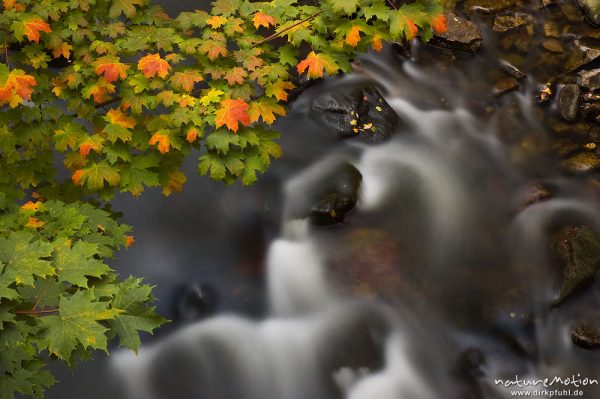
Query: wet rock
[551, 29]
[333, 196]
[511, 70]
[581, 56]
[532, 194]
[582, 163]
[590, 110]
[568, 101]
[578, 257]
[489, 6]
[591, 8]
[553, 45]
[194, 302]
[358, 113]
[504, 23]
[461, 35]
[505, 86]
[587, 335]
[571, 12]
[589, 79]
[591, 97]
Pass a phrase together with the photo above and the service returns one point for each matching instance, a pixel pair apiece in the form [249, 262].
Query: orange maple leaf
[152, 65]
[262, 19]
[76, 177]
[439, 24]
[100, 89]
[265, 109]
[63, 49]
[316, 64]
[412, 29]
[162, 141]
[34, 223]
[186, 80]
[376, 43]
[192, 135]
[87, 145]
[31, 206]
[129, 241]
[231, 113]
[33, 27]
[353, 36]
[236, 76]
[17, 87]
[278, 89]
[111, 70]
[118, 117]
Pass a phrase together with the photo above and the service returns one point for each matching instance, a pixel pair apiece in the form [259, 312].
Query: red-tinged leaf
[129, 241]
[191, 135]
[186, 80]
[412, 30]
[152, 65]
[76, 177]
[316, 64]
[15, 86]
[90, 143]
[262, 19]
[214, 49]
[162, 141]
[31, 206]
[376, 43]
[279, 89]
[439, 24]
[118, 117]
[111, 69]
[99, 91]
[235, 76]
[267, 109]
[174, 183]
[34, 223]
[353, 36]
[231, 113]
[216, 21]
[31, 27]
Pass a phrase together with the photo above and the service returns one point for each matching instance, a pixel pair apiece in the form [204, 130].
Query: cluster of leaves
[121, 93]
[57, 294]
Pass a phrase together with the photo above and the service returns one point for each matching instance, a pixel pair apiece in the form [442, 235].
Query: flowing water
[437, 285]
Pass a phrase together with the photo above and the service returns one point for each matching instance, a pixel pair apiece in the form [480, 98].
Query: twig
[35, 312]
[277, 34]
[392, 4]
[6, 54]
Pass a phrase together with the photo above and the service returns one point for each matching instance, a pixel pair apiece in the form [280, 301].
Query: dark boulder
[591, 8]
[461, 35]
[589, 79]
[358, 112]
[587, 335]
[568, 101]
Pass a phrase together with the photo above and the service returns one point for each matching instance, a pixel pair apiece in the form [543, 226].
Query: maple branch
[277, 34]
[108, 102]
[34, 312]
[6, 54]
[392, 4]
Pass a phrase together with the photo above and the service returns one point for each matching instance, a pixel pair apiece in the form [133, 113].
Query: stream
[432, 231]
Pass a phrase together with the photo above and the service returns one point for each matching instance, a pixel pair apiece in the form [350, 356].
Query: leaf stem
[35, 312]
[277, 34]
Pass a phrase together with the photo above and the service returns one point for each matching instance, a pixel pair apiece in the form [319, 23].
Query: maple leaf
[213, 49]
[152, 65]
[31, 206]
[262, 19]
[265, 108]
[96, 175]
[162, 141]
[25, 258]
[139, 173]
[212, 96]
[186, 80]
[99, 91]
[63, 49]
[30, 27]
[90, 143]
[216, 21]
[316, 64]
[353, 36]
[412, 30]
[34, 223]
[15, 86]
[439, 23]
[126, 7]
[129, 241]
[376, 43]
[77, 176]
[278, 89]
[75, 263]
[191, 135]
[236, 76]
[231, 113]
[347, 7]
[111, 69]
[118, 117]
[175, 182]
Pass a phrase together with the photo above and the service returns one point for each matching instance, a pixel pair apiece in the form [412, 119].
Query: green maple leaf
[23, 258]
[76, 324]
[287, 55]
[221, 140]
[346, 7]
[75, 264]
[97, 174]
[226, 8]
[377, 10]
[45, 292]
[213, 163]
[116, 132]
[137, 174]
[126, 7]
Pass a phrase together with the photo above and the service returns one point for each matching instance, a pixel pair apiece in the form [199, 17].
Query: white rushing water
[444, 192]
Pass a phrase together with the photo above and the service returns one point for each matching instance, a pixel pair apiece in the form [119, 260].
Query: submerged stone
[582, 163]
[504, 23]
[461, 35]
[587, 335]
[489, 6]
[581, 56]
[591, 8]
[578, 254]
[505, 86]
[568, 101]
[589, 79]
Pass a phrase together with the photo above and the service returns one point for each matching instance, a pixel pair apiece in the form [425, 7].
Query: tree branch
[277, 34]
